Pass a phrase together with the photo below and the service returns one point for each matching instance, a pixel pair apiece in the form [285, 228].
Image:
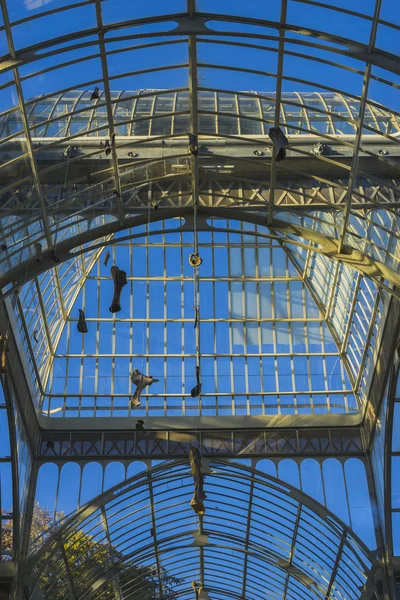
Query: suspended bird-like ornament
[197, 502]
[69, 151]
[141, 381]
[3, 354]
[54, 256]
[3, 247]
[280, 142]
[107, 145]
[196, 391]
[139, 425]
[35, 336]
[95, 94]
[81, 325]
[119, 278]
[38, 252]
[195, 260]
[106, 258]
[50, 445]
[193, 144]
[200, 592]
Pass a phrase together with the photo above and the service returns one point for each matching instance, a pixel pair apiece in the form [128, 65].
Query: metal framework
[296, 323]
[257, 533]
[62, 446]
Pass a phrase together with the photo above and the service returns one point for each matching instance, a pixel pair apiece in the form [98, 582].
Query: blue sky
[113, 11]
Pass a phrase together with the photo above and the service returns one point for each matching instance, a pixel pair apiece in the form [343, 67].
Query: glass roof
[288, 318]
[264, 346]
[143, 113]
[258, 536]
[227, 172]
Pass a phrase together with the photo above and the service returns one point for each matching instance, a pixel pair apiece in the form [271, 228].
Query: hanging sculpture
[193, 144]
[197, 502]
[54, 256]
[196, 391]
[106, 258]
[38, 252]
[119, 278]
[141, 381]
[200, 592]
[195, 260]
[3, 351]
[106, 146]
[95, 94]
[140, 425]
[81, 326]
[280, 142]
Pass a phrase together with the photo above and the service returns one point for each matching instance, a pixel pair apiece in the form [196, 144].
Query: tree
[88, 563]
[6, 536]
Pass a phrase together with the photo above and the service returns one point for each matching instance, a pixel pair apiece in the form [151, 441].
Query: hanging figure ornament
[106, 258]
[141, 381]
[139, 425]
[280, 142]
[195, 260]
[197, 587]
[197, 502]
[38, 252]
[193, 144]
[95, 94]
[3, 351]
[81, 326]
[196, 391]
[54, 256]
[119, 278]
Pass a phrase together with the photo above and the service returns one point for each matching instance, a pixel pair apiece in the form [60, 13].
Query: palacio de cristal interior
[199, 300]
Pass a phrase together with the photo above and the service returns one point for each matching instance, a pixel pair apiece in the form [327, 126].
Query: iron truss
[64, 445]
[37, 176]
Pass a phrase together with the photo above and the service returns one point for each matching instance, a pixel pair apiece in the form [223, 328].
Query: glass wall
[264, 348]
[6, 483]
[395, 467]
[378, 459]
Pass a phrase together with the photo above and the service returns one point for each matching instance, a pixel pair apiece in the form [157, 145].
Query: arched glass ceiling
[331, 76]
[258, 536]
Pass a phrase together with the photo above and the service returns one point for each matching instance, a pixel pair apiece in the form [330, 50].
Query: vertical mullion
[164, 284]
[230, 336]
[184, 361]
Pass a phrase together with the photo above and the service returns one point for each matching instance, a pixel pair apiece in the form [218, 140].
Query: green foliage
[6, 537]
[90, 562]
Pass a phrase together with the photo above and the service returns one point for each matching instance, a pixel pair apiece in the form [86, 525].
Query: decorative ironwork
[174, 444]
